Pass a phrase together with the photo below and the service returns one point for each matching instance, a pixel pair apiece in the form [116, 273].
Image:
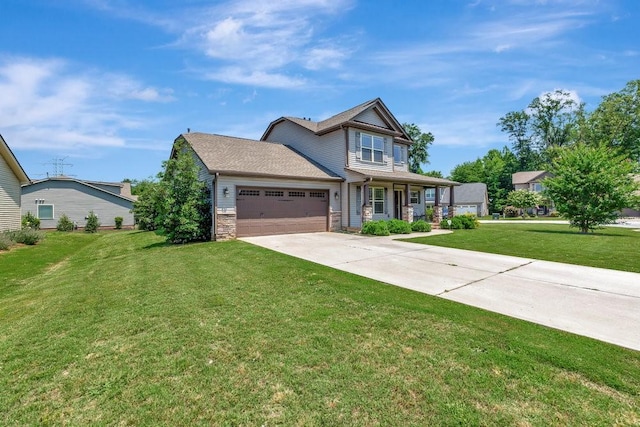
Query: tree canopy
[419, 150]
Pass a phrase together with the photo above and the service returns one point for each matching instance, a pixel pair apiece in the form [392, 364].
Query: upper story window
[371, 148]
[398, 155]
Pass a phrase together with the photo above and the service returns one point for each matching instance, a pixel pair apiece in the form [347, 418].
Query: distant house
[471, 198]
[635, 211]
[532, 181]
[48, 199]
[12, 176]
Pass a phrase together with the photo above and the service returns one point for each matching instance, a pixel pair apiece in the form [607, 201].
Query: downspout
[214, 207]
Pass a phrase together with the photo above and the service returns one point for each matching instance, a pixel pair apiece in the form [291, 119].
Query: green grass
[611, 247]
[119, 328]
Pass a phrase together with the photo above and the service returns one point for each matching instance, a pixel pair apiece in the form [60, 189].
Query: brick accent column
[226, 226]
[335, 221]
[367, 213]
[407, 213]
[437, 214]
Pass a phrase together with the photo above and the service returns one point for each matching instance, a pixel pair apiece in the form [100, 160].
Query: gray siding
[9, 198]
[76, 201]
[354, 153]
[371, 117]
[327, 150]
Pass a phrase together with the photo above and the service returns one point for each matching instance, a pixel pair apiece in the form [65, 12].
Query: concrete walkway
[594, 302]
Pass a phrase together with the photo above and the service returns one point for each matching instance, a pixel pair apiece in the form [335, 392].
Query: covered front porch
[375, 195]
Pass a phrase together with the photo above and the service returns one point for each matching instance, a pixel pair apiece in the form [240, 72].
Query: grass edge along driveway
[120, 328]
[611, 247]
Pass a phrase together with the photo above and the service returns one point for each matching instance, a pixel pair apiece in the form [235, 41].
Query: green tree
[92, 224]
[524, 199]
[433, 174]
[616, 121]
[186, 204]
[147, 209]
[419, 150]
[591, 184]
[471, 171]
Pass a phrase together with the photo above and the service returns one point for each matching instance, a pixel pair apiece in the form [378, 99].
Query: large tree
[616, 121]
[524, 199]
[419, 150]
[591, 184]
[548, 121]
[186, 204]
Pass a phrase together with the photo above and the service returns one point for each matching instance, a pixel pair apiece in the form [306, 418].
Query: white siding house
[12, 176]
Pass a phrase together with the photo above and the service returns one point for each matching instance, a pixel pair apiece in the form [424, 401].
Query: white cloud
[46, 104]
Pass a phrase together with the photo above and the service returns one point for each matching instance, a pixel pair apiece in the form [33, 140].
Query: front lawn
[611, 247]
[121, 329]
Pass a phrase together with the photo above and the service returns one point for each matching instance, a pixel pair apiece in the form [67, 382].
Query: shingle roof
[90, 184]
[246, 157]
[526, 177]
[345, 117]
[402, 177]
[473, 192]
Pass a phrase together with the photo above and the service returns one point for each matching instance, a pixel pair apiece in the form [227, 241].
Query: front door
[397, 204]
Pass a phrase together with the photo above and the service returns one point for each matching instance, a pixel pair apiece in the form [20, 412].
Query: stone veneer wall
[407, 213]
[226, 227]
[335, 221]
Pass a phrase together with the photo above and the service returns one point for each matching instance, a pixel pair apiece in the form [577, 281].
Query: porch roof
[403, 177]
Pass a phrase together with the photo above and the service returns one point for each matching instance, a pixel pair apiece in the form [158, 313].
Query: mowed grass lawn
[120, 329]
[610, 247]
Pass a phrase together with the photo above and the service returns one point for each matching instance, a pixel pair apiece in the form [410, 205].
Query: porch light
[225, 192]
[336, 195]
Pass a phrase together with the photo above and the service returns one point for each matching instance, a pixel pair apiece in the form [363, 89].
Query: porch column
[407, 209]
[452, 208]
[367, 209]
[437, 209]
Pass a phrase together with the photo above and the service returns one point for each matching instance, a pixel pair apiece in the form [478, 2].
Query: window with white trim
[430, 194]
[376, 198]
[45, 211]
[371, 148]
[398, 155]
[415, 197]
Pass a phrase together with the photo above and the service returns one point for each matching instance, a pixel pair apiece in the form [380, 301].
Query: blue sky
[107, 85]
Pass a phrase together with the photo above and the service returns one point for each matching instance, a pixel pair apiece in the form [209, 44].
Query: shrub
[375, 228]
[398, 226]
[511, 211]
[469, 221]
[64, 223]
[5, 241]
[554, 214]
[429, 214]
[118, 220]
[421, 226]
[92, 223]
[30, 221]
[27, 236]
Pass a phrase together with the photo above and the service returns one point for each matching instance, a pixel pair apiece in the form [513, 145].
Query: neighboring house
[48, 199]
[632, 211]
[532, 181]
[312, 176]
[12, 176]
[471, 198]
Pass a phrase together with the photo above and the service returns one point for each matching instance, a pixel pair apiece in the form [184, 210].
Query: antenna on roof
[58, 166]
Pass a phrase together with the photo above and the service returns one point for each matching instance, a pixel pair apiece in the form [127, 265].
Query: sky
[99, 89]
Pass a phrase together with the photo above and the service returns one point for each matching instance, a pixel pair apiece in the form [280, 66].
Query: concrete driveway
[594, 302]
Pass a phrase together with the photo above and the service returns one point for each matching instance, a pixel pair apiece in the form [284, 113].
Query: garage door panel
[264, 211]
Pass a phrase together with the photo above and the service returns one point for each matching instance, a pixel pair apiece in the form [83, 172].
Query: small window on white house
[45, 211]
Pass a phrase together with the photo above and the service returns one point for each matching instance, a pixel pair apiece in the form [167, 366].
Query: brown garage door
[264, 211]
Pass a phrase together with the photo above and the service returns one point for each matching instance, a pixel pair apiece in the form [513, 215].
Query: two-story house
[305, 176]
[532, 181]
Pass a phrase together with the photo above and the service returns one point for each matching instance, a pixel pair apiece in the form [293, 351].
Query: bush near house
[375, 228]
[30, 221]
[92, 223]
[118, 220]
[398, 226]
[420, 226]
[511, 211]
[64, 223]
[460, 222]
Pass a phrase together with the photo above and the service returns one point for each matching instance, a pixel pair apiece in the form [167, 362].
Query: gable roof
[246, 157]
[527, 177]
[347, 118]
[89, 184]
[10, 159]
